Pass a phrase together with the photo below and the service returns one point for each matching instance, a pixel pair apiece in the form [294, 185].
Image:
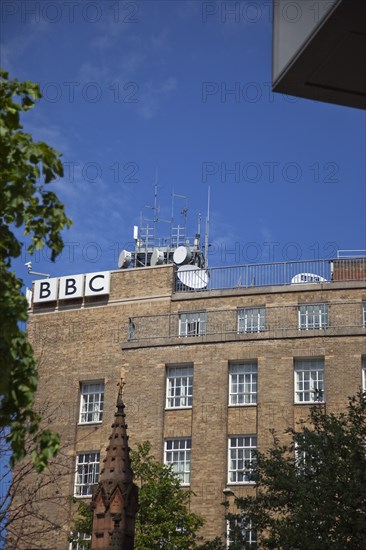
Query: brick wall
[84, 342]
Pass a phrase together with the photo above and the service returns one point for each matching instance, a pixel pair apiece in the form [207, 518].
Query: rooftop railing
[251, 323]
[271, 274]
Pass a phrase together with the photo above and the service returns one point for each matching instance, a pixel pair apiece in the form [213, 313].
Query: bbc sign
[72, 286]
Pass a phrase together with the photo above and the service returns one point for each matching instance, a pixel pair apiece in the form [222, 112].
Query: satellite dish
[192, 277]
[182, 255]
[307, 278]
[157, 257]
[124, 259]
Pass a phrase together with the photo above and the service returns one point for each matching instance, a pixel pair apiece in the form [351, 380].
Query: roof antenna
[207, 226]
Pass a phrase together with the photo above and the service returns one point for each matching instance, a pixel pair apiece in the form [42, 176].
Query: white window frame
[364, 314]
[252, 319]
[364, 374]
[247, 532]
[87, 473]
[241, 458]
[313, 316]
[79, 545]
[243, 383]
[177, 454]
[91, 402]
[305, 460]
[300, 458]
[192, 323]
[309, 380]
[179, 387]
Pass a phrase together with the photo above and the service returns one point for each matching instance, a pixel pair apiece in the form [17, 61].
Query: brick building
[208, 372]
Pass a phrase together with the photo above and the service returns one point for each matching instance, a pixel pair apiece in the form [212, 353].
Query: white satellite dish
[157, 257]
[124, 259]
[193, 277]
[307, 278]
[182, 255]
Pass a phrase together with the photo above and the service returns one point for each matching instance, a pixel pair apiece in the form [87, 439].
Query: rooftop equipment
[177, 248]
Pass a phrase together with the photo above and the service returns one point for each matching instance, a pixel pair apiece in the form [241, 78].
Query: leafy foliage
[25, 168]
[311, 493]
[214, 544]
[83, 524]
[164, 520]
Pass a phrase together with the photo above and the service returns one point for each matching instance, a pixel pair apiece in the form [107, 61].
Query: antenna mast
[178, 234]
[207, 225]
[185, 252]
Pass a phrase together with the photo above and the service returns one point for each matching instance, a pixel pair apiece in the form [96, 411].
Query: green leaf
[25, 203]
[311, 492]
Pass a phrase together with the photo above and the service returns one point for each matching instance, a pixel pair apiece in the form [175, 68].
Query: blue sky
[183, 87]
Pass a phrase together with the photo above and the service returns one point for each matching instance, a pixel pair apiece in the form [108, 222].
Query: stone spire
[115, 500]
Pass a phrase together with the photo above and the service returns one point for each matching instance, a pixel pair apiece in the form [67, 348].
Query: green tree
[26, 167]
[83, 525]
[163, 519]
[311, 493]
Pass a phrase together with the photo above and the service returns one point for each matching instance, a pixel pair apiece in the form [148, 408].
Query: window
[178, 455]
[91, 402]
[363, 373]
[83, 541]
[251, 319]
[309, 454]
[192, 324]
[87, 473]
[241, 458]
[179, 387]
[364, 313]
[243, 384]
[309, 380]
[300, 458]
[240, 532]
[313, 316]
